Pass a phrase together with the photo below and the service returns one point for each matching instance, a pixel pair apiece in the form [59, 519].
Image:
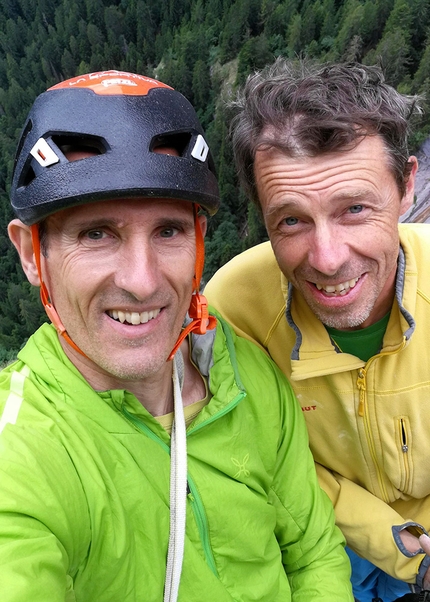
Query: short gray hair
[305, 108]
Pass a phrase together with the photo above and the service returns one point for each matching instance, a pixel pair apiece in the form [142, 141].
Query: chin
[133, 369]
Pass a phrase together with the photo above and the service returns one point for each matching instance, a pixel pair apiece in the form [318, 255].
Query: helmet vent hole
[27, 129]
[74, 147]
[171, 144]
[28, 176]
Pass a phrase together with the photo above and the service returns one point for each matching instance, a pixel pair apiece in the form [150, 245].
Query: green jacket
[368, 423]
[84, 495]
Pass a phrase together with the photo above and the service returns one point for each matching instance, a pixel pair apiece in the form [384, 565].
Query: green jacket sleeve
[312, 546]
[43, 519]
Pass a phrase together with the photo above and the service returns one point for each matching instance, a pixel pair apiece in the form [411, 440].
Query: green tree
[350, 28]
[294, 35]
[393, 54]
[423, 72]
[253, 55]
[223, 246]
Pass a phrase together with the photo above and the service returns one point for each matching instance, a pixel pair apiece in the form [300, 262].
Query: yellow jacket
[369, 423]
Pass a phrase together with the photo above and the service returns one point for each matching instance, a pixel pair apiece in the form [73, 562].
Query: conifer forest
[204, 49]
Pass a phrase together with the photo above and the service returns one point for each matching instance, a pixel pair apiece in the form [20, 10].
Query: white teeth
[340, 289]
[133, 317]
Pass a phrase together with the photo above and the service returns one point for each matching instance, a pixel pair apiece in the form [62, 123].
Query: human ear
[20, 235]
[203, 223]
[408, 197]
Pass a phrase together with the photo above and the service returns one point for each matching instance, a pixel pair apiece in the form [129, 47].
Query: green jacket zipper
[202, 524]
[193, 494]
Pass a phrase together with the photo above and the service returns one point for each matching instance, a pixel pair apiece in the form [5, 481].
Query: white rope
[178, 486]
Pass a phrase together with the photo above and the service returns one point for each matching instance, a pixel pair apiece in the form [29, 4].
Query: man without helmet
[340, 298]
[126, 474]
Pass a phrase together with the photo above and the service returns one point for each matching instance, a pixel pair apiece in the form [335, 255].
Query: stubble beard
[342, 319]
[347, 318]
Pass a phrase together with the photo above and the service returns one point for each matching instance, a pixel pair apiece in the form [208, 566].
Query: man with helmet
[142, 456]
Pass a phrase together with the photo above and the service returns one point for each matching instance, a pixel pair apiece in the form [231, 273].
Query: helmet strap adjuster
[44, 154]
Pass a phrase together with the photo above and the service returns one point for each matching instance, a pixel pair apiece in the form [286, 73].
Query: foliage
[203, 48]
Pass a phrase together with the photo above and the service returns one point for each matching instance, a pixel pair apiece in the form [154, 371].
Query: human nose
[328, 251]
[137, 271]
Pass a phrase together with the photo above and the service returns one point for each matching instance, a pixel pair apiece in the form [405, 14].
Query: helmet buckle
[44, 154]
[201, 149]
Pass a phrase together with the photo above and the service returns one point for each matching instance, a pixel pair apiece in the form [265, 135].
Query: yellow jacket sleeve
[359, 512]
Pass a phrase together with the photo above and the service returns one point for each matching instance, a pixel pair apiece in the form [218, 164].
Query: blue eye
[356, 209]
[291, 221]
[95, 234]
[168, 232]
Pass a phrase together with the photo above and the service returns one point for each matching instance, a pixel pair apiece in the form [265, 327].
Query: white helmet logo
[118, 81]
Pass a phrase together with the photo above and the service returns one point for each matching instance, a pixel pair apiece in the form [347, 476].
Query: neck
[154, 392]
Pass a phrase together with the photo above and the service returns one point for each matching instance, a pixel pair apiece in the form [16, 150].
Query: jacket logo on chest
[241, 466]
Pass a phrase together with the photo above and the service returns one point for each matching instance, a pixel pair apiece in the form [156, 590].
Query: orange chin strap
[201, 321]
[44, 295]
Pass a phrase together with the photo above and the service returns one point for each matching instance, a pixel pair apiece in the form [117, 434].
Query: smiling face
[332, 221]
[120, 277]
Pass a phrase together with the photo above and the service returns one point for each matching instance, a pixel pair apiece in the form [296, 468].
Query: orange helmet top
[113, 82]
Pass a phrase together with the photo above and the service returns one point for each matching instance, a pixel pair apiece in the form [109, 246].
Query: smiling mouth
[133, 317]
[340, 289]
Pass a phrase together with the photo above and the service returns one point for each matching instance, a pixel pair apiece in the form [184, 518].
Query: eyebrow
[360, 194]
[88, 224]
[291, 205]
[282, 207]
[104, 222]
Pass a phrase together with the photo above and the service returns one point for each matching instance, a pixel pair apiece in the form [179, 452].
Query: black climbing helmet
[121, 117]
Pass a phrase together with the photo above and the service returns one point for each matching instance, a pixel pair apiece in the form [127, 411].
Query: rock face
[420, 210]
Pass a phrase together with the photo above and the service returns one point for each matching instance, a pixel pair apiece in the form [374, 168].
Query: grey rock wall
[420, 210]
